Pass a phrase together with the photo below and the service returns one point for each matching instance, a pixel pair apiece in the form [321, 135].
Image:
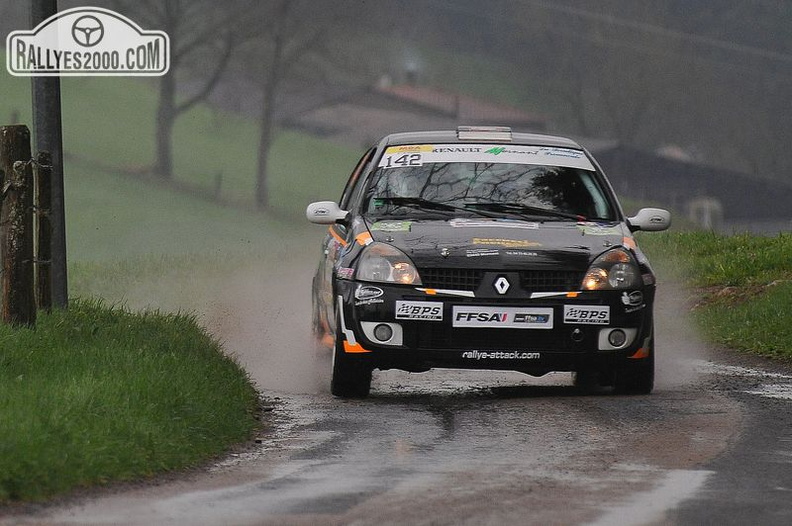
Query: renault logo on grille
[502, 285]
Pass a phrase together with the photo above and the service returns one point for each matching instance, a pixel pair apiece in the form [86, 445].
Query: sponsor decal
[345, 273]
[419, 310]
[500, 223]
[418, 154]
[633, 301]
[562, 152]
[372, 301]
[367, 292]
[481, 252]
[456, 149]
[409, 148]
[87, 41]
[497, 150]
[544, 151]
[502, 317]
[521, 253]
[594, 229]
[500, 355]
[587, 314]
[506, 243]
[392, 226]
[368, 295]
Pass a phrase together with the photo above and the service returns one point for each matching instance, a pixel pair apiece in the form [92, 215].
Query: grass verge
[95, 394]
[99, 394]
[744, 285]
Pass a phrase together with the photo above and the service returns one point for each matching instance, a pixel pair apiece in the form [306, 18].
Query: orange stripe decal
[364, 238]
[354, 348]
[337, 237]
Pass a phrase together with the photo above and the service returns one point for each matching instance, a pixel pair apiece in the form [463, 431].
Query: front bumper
[415, 329]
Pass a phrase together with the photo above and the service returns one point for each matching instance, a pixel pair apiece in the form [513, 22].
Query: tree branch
[230, 44]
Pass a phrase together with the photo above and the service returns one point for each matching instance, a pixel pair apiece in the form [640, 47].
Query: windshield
[409, 184]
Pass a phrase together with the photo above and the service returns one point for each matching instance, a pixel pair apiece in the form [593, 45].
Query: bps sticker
[587, 314]
[419, 310]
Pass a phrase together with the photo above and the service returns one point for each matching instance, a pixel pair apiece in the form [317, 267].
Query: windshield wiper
[525, 210]
[419, 202]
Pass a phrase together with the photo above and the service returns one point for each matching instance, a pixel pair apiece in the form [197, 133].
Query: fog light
[617, 338]
[383, 332]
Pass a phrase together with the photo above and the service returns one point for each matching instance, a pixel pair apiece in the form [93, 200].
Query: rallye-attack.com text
[501, 355]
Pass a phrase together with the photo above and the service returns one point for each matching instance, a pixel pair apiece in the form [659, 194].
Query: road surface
[711, 445]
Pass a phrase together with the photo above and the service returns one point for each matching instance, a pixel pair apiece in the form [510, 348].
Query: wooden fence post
[16, 226]
[42, 171]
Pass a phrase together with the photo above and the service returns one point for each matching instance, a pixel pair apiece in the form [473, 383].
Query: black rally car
[484, 249]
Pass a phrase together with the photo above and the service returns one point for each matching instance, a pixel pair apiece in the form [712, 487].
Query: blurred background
[269, 103]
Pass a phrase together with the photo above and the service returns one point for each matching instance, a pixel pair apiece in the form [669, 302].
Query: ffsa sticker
[502, 317]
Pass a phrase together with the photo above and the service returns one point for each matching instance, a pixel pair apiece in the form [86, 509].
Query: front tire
[637, 379]
[351, 375]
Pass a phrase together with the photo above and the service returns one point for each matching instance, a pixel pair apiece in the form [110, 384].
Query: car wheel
[590, 380]
[351, 376]
[585, 380]
[637, 379]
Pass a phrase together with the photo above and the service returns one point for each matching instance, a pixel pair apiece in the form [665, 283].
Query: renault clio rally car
[484, 249]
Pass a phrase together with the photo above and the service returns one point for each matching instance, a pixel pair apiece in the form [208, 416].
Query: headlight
[386, 264]
[615, 269]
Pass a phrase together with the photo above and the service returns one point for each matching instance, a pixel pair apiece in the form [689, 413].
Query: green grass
[95, 394]
[744, 283]
[761, 324]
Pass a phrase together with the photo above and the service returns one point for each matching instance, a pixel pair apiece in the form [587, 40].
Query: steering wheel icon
[87, 31]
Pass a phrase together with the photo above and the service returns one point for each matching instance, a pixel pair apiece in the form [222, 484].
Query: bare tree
[289, 30]
[200, 31]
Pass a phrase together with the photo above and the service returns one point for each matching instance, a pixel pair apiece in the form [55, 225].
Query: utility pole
[48, 134]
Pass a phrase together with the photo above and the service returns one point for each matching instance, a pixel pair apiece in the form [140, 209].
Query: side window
[353, 179]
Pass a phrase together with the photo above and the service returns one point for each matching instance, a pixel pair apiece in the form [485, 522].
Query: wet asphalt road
[752, 480]
[711, 445]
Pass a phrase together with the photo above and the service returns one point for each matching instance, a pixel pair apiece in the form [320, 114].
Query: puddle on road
[762, 383]
[650, 507]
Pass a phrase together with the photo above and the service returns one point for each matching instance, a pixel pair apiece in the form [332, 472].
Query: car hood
[500, 243]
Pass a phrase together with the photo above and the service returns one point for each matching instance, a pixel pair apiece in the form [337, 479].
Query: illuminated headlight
[613, 270]
[386, 264]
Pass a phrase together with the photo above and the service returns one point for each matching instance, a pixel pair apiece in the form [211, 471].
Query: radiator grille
[530, 280]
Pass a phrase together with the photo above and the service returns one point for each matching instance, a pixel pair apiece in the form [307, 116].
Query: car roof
[452, 137]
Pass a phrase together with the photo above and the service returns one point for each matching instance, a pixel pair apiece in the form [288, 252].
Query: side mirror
[325, 213]
[650, 220]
